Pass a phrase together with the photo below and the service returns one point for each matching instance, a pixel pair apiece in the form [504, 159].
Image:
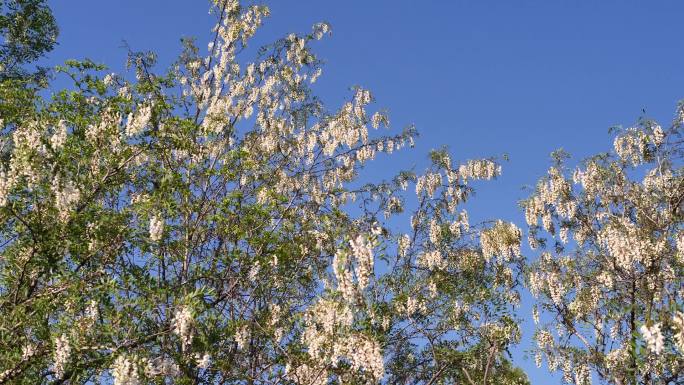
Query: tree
[28, 31]
[609, 285]
[209, 225]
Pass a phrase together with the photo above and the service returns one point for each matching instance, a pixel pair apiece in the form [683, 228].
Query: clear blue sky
[482, 77]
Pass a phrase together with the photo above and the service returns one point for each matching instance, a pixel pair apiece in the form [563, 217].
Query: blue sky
[484, 78]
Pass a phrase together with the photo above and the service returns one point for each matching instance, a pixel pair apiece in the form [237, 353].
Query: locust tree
[609, 282]
[210, 224]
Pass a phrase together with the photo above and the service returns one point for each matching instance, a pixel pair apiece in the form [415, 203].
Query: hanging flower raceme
[183, 323]
[156, 228]
[653, 337]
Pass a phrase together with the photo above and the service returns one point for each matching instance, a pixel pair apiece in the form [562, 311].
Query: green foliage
[28, 30]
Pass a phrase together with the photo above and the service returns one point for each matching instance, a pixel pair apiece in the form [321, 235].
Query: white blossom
[60, 136]
[66, 196]
[138, 121]
[183, 326]
[242, 337]
[61, 355]
[678, 322]
[161, 366]
[203, 360]
[124, 372]
[653, 337]
[156, 228]
[363, 251]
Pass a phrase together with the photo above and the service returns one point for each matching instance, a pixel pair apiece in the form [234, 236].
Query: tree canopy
[28, 30]
[211, 224]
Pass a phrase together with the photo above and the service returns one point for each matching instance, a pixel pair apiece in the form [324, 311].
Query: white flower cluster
[546, 279]
[631, 146]
[362, 249]
[365, 354]
[344, 276]
[628, 245]
[479, 169]
[66, 196]
[329, 338]
[320, 29]
[591, 178]
[125, 372]
[678, 322]
[658, 135]
[92, 312]
[502, 240]
[464, 220]
[412, 305]
[106, 130]
[161, 366]
[435, 231]
[431, 260]
[27, 351]
[544, 341]
[403, 244]
[616, 358]
[242, 336]
[136, 122]
[6, 183]
[394, 205]
[156, 228]
[552, 193]
[203, 360]
[60, 136]
[653, 337]
[378, 119]
[582, 374]
[183, 326]
[428, 183]
[109, 79]
[27, 139]
[322, 321]
[503, 333]
[61, 355]
[297, 51]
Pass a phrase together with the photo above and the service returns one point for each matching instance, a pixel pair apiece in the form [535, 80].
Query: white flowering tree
[196, 227]
[609, 284]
